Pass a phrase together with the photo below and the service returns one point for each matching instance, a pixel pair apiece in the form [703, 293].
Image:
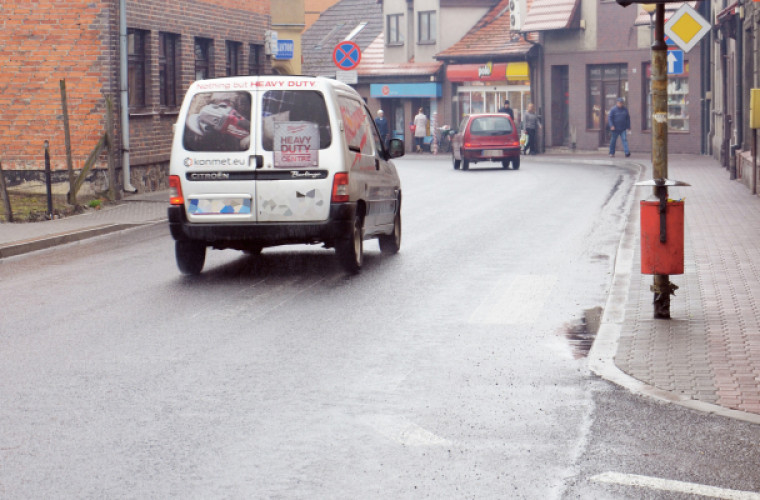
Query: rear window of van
[294, 106]
[218, 121]
[491, 126]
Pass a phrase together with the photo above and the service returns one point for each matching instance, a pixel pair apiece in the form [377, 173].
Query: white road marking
[654, 483]
[404, 432]
[516, 301]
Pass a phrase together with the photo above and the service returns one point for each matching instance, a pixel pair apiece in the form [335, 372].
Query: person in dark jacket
[508, 110]
[532, 124]
[620, 122]
[382, 127]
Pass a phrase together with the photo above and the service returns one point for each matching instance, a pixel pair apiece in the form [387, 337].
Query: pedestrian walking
[420, 129]
[619, 121]
[383, 128]
[532, 125]
[507, 109]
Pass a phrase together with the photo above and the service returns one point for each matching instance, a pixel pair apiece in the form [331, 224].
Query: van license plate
[220, 206]
[492, 152]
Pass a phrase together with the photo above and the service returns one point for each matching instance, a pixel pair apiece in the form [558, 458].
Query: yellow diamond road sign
[686, 28]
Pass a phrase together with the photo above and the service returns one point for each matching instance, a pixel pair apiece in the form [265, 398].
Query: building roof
[373, 63]
[670, 8]
[544, 15]
[490, 39]
[335, 25]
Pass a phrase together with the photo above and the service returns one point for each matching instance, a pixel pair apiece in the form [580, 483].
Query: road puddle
[581, 334]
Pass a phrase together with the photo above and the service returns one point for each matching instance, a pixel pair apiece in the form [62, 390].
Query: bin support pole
[662, 287]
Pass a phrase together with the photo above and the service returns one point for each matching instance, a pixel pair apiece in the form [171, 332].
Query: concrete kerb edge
[15, 249]
[601, 358]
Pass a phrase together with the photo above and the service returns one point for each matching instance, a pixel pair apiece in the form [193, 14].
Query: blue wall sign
[285, 49]
[405, 90]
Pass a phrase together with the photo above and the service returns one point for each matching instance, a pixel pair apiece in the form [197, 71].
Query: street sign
[686, 28]
[285, 49]
[347, 55]
[350, 77]
[675, 62]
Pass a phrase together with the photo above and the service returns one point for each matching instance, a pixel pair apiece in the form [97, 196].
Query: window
[678, 100]
[294, 106]
[168, 65]
[395, 37]
[254, 59]
[137, 55]
[218, 121]
[356, 30]
[233, 58]
[427, 27]
[605, 84]
[204, 67]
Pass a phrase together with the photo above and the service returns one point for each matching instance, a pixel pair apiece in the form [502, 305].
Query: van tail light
[468, 144]
[175, 191]
[340, 188]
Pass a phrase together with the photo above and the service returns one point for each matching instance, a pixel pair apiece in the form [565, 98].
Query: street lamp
[650, 9]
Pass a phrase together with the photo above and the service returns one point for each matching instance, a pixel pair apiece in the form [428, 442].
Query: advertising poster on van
[296, 144]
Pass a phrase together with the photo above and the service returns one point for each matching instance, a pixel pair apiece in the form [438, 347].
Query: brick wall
[78, 40]
[40, 44]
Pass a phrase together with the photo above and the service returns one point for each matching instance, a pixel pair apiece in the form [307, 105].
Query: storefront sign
[488, 72]
[285, 50]
[405, 90]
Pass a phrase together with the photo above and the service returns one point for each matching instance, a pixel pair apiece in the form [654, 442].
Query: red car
[486, 137]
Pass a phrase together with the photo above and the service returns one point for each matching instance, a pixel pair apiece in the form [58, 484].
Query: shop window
[137, 58]
[233, 58]
[678, 100]
[204, 67]
[427, 27]
[395, 37]
[168, 68]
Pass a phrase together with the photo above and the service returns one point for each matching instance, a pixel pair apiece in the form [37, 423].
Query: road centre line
[654, 483]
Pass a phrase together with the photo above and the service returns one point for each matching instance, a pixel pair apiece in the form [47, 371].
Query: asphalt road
[454, 369]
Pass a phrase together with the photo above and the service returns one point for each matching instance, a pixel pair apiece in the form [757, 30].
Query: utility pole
[662, 287]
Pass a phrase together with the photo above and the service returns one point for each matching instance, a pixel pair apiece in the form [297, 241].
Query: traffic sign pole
[662, 287]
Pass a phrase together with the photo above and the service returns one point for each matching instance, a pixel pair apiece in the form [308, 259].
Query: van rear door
[218, 157]
[294, 181]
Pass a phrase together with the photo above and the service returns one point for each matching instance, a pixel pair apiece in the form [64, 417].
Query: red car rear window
[491, 126]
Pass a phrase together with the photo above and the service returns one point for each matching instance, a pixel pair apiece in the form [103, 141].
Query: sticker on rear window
[218, 121]
[296, 144]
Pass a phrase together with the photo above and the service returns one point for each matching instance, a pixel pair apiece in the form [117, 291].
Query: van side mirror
[396, 148]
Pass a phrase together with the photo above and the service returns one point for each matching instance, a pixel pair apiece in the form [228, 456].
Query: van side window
[294, 106]
[218, 121]
[375, 134]
[356, 126]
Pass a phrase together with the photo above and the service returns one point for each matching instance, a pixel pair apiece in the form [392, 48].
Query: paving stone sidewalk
[710, 350]
[18, 238]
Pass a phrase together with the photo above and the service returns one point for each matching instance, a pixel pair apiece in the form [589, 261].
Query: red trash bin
[657, 257]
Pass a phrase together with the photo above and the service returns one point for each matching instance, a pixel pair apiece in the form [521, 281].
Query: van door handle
[377, 164]
[257, 161]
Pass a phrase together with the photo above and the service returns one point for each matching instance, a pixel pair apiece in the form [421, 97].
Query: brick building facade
[171, 43]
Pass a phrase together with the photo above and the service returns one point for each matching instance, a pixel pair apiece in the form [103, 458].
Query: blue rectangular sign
[285, 49]
[381, 90]
[675, 62]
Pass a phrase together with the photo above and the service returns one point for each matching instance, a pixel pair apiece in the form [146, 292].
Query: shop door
[611, 93]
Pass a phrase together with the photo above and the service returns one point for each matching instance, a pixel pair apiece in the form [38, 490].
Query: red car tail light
[340, 188]
[175, 191]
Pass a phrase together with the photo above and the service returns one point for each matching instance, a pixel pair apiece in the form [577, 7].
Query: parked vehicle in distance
[486, 137]
[261, 161]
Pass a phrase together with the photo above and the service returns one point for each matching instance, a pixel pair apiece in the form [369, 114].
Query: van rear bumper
[235, 235]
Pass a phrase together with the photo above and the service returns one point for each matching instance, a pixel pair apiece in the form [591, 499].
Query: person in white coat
[420, 129]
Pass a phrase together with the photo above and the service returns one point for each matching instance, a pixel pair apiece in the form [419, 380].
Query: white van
[270, 160]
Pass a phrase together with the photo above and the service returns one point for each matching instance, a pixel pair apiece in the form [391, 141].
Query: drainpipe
[124, 94]
[740, 75]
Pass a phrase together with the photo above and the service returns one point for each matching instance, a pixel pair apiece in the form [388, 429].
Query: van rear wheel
[350, 251]
[391, 243]
[191, 255]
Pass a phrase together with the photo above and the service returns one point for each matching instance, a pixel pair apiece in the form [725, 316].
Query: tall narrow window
[254, 59]
[395, 36]
[233, 58]
[137, 55]
[168, 68]
[204, 67]
[427, 27]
